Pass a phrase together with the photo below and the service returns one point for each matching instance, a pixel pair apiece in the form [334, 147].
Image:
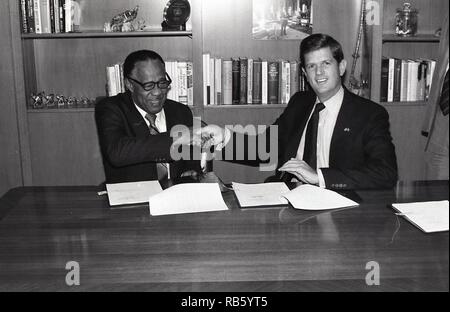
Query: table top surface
[257, 249]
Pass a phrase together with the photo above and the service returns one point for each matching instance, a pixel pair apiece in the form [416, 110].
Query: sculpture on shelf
[123, 21]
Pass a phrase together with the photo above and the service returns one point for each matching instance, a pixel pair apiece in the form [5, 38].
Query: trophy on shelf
[122, 22]
[176, 14]
[406, 21]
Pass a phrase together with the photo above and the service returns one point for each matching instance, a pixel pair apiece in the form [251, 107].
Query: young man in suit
[329, 137]
[134, 127]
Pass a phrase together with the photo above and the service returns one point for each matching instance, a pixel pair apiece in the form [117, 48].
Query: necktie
[310, 151]
[443, 100]
[161, 168]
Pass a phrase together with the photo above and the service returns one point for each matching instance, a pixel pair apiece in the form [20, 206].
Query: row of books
[181, 88]
[404, 80]
[250, 81]
[49, 16]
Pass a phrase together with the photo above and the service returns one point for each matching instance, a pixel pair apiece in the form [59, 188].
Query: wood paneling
[406, 121]
[64, 148]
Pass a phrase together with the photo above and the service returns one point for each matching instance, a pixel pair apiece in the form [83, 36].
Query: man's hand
[301, 170]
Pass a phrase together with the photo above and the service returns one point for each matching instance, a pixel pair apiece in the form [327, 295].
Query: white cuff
[321, 179]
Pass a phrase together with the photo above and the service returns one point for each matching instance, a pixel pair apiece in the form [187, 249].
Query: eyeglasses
[148, 86]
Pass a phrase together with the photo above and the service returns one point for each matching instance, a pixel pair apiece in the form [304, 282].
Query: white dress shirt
[327, 121]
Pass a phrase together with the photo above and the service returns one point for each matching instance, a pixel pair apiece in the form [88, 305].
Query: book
[52, 16]
[243, 83]
[250, 81]
[23, 16]
[236, 81]
[391, 74]
[384, 80]
[257, 90]
[37, 16]
[422, 74]
[62, 16]
[218, 80]
[30, 16]
[212, 92]
[413, 81]
[190, 84]
[182, 82]
[206, 85]
[45, 16]
[68, 15]
[287, 92]
[273, 77]
[397, 79]
[404, 81]
[294, 78]
[264, 84]
[227, 82]
[56, 16]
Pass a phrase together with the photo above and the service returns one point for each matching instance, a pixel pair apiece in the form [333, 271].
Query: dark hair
[137, 56]
[318, 41]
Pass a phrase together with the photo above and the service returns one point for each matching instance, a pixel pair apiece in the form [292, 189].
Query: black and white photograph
[224, 155]
[282, 19]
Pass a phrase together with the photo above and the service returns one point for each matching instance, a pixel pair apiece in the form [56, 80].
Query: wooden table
[275, 249]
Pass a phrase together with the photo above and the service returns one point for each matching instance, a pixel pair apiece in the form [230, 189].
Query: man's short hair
[138, 56]
[318, 41]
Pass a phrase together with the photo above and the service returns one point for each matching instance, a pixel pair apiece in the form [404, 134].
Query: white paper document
[132, 192]
[261, 194]
[431, 216]
[310, 197]
[187, 198]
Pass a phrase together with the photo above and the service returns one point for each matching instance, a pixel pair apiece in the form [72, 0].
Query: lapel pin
[346, 129]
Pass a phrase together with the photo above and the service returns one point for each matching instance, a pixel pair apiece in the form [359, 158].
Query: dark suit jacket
[129, 152]
[362, 155]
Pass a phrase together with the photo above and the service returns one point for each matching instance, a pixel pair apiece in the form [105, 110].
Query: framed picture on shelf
[282, 19]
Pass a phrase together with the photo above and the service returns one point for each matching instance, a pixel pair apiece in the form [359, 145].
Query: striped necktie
[443, 100]
[161, 168]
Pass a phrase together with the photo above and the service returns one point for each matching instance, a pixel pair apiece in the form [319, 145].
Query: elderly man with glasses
[134, 127]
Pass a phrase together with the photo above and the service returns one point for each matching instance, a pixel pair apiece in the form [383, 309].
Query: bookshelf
[60, 147]
[406, 118]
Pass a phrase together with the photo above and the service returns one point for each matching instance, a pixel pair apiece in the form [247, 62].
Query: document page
[132, 192]
[261, 194]
[310, 197]
[187, 198]
[431, 216]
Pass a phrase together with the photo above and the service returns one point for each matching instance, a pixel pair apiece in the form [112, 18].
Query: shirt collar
[334, 103]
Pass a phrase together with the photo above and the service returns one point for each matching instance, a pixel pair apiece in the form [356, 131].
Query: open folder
[307, 197]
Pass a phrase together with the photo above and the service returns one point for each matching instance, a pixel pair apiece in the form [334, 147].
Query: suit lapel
[137, 123]
[342, 128]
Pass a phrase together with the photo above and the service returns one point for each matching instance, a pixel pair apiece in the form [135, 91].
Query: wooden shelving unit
[406, 118]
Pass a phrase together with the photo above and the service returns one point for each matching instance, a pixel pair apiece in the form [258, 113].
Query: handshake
[207, 136]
